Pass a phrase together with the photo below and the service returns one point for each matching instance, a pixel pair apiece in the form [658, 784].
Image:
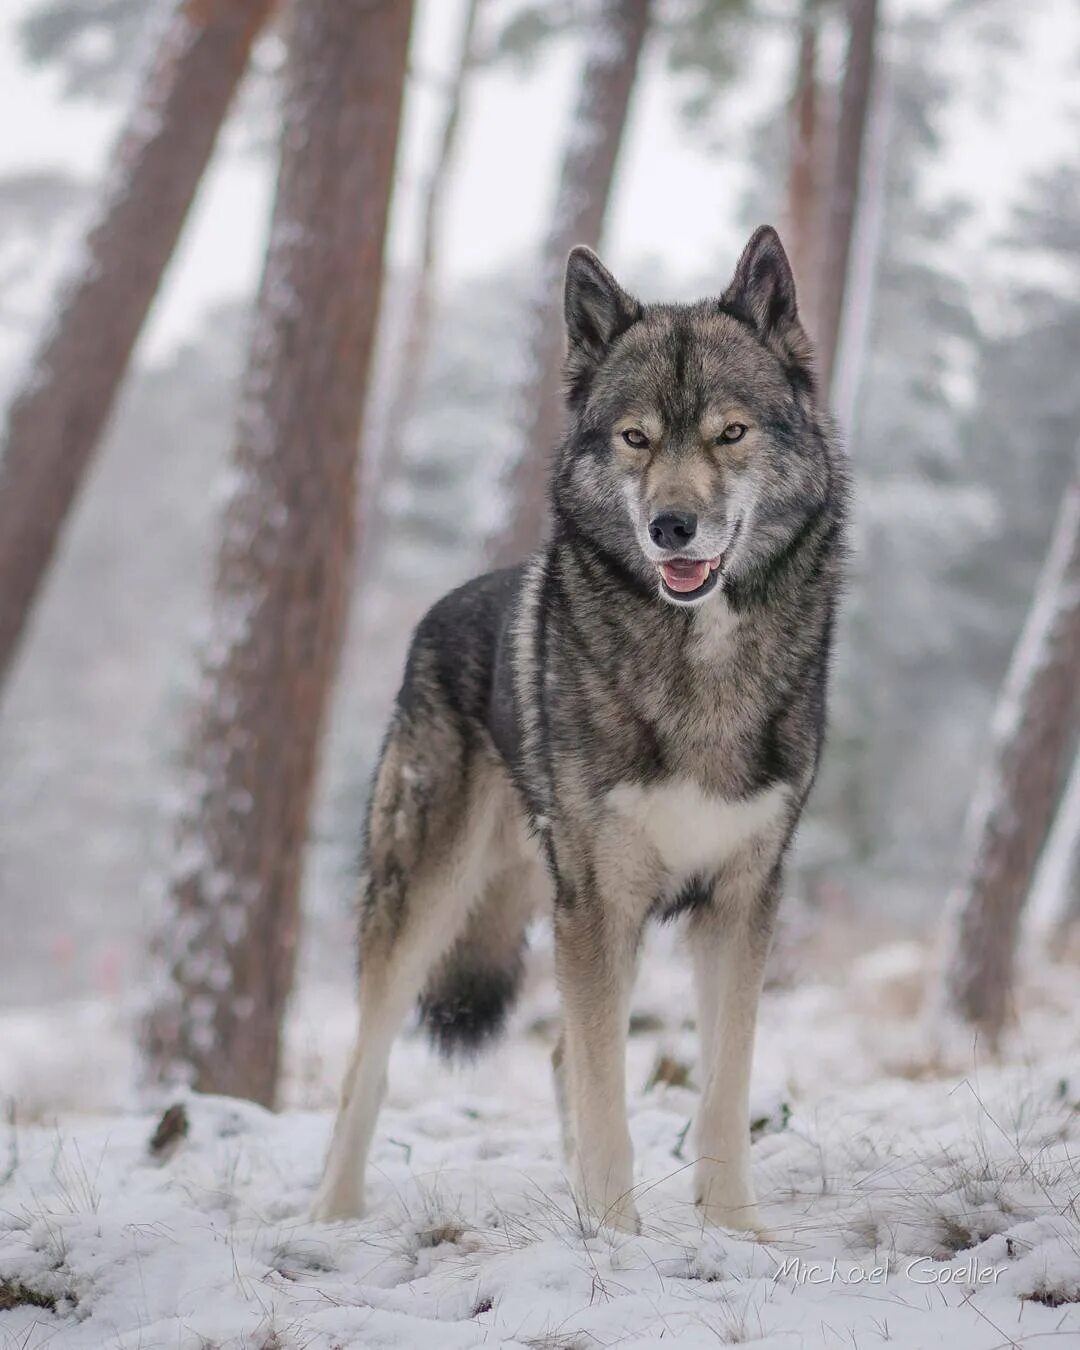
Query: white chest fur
[690, 830]
[713, 635]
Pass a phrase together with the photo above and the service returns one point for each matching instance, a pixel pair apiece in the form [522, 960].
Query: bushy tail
[474, 987]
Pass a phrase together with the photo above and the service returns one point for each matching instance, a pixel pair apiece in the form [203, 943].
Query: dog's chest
[689, 831]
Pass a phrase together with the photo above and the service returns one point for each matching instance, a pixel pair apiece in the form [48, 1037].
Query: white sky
[674, 199]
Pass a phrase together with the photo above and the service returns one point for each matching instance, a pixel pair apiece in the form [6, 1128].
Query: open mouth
[689, 578]
[686, 579]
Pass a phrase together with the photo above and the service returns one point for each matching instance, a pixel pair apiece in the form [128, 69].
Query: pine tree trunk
[416, 332]
[1068, 915]
[283, 569]
[1032, 738]
[853, 339]
[804, 204]
[585, 181]
[57, 417]
[1055, 899]
[844, 186]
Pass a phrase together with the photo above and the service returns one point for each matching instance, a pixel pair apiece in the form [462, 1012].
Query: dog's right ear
[597, 310]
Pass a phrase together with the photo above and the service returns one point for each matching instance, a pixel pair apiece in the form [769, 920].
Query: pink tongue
[684, 576]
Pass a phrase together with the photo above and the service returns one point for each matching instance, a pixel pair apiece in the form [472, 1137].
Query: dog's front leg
[594, 956]
[729, 950]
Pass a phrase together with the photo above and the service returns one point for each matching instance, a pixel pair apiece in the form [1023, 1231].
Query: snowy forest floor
[909, 1205]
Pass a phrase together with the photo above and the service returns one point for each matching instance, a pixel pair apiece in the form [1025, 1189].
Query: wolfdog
[627, 724]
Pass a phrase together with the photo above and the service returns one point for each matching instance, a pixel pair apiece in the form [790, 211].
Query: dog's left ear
[763, 285]
[763, 290]
[597, 311]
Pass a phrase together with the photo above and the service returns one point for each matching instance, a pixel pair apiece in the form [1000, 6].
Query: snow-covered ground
[907, 1206]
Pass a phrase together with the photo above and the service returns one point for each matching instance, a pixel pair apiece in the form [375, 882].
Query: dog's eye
[734, 431]
[633, 437]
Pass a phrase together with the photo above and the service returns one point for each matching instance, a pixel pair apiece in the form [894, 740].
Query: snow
[906, 1210]
[903, 1208]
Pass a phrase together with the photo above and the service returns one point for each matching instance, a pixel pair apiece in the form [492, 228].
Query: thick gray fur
[572, 735]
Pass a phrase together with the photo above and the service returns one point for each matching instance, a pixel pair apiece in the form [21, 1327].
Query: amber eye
[734, 431]
[638, 439]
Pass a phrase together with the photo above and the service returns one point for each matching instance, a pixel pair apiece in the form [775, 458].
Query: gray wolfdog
[627, 724]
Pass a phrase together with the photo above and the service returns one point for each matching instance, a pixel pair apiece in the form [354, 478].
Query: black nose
[672, 529]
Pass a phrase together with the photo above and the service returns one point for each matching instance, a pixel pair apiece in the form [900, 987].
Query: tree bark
[844, 185]
[1032, 738]
[57, 417]
[585, 181]
[1055, 900]
[853, 338]
[804, 206]
[284, 563]
[416, 331]
[1067, 830]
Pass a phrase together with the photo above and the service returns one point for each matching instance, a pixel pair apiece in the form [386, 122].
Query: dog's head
[694, 453]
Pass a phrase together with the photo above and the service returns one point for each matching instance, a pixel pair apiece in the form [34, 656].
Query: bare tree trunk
[844, 187]
[1055, 898]
[864, 258]
[57, 417]
[1067, 838]
[416, 331]
[804, 204]
[588, 170]
[284, 564]
[1032, 737]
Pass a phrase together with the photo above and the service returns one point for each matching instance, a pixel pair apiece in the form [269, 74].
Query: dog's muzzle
[687, 579]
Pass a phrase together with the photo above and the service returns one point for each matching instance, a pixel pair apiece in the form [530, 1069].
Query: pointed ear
[597, 310]
[763, 285]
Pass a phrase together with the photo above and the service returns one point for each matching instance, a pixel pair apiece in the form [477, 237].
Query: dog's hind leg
[432, 826]
[388, 989]
[559, 1077]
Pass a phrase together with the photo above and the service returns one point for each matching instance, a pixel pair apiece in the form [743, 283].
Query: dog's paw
[724, 1196]
[333, 1207]
[615, 1210]
[744, 1218]
[621, 1217]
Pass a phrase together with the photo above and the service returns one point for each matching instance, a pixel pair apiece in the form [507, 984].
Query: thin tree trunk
[585, 181]
[844, 187]
[416, 330]
[284, 563]
[864, 259]
[1032, 737]
[1055, 899]
[57, 417]
[1067, 832]
[804, 204]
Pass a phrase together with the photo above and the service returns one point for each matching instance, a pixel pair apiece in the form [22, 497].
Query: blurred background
[920, 159]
